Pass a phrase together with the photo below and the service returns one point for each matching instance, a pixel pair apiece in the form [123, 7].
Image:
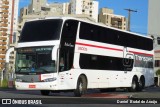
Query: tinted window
[70, 29]
[68, 39]
[41, 30]
[88, 61]
[111, 36]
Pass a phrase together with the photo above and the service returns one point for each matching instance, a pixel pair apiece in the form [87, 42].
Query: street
[93, 97]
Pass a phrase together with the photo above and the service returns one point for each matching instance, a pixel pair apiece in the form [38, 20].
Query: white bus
[69, 54]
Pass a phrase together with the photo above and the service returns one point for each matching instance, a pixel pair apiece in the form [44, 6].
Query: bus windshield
[41, 30]
[35, 60]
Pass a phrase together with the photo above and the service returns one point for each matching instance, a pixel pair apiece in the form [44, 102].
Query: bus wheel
[141, 84]
[134, 85]
[45, 92]
[81, 87]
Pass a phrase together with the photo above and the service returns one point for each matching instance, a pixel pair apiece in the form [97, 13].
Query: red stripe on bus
[102, 47]
[140, 53]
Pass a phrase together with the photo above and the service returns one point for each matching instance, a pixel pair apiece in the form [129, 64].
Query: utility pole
[129, 17]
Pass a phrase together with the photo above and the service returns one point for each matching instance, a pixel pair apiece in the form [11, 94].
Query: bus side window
[61, 64]
[66, 61]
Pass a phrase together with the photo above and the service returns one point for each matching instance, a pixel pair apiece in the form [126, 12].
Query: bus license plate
[32, 86]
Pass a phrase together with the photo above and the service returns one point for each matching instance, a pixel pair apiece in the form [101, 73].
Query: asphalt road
[93, 98]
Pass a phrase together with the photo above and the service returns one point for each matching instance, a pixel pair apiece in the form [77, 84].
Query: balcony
[5, 7]
[3, 33]
[4, 20]
[3, 25]
[3, 38]
[2, 56]
[3, 47]
[4, 11]
[4, 15]
[3, 43]
[5, 2]
[2, 61]
[3, 29]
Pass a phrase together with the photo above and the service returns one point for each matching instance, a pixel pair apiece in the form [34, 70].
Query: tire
[134, 85]
[141, 85]
[45, 92]
[81, 87]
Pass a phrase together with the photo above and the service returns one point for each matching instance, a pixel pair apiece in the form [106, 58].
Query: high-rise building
[108, 18]
[36, 5]
[40, 9]
[88, 7]
[153, 18]
[8, 27]
[154, 28]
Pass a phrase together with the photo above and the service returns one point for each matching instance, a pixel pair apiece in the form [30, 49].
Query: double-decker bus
[69, 54]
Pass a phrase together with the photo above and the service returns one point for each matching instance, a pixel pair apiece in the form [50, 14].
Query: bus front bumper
[36, 86]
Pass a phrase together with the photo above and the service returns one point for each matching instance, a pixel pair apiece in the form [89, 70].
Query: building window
[157, 63]
[83, 10]
[90, 11]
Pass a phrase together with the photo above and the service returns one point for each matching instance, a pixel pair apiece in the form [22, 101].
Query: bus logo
[32, 79]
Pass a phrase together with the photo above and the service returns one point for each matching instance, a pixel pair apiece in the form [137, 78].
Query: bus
[68, 54]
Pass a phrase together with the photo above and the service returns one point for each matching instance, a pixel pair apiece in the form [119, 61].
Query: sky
[139, 19]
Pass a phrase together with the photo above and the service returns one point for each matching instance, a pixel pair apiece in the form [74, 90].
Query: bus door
[67, 46]
[128, 60]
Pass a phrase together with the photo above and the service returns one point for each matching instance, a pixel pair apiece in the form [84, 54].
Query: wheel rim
[81, 87]
[140, 84]
[134, 85]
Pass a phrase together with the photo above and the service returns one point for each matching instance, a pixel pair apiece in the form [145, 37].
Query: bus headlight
[50, 79]
[18, 80]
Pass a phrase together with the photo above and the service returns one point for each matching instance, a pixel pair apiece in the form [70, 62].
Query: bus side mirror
[55, 52]
[8, 54]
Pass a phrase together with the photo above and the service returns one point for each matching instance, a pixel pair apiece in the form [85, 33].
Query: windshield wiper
[44, 70]
[23, 68]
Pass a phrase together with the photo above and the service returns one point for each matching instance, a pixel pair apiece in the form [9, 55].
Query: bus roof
[90, 22]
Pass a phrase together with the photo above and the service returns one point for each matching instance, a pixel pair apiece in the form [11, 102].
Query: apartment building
[8, 28]
[87, 7]
[108, 17]
[40, 8]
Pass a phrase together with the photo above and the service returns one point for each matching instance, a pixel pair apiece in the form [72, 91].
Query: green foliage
[158, 72]
[4, 83]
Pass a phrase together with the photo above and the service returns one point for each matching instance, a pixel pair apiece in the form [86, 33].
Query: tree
[158, 72]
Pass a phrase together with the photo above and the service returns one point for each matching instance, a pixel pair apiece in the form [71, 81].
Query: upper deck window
[41, 30]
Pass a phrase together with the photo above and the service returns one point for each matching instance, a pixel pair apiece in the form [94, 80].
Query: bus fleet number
[82, 48]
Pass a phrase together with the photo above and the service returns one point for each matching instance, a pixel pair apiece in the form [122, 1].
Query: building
[87, 7]
[154, 28]
[108, 18]
[40, 9]
[8, 28]
[41, 6]
[36, 5]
